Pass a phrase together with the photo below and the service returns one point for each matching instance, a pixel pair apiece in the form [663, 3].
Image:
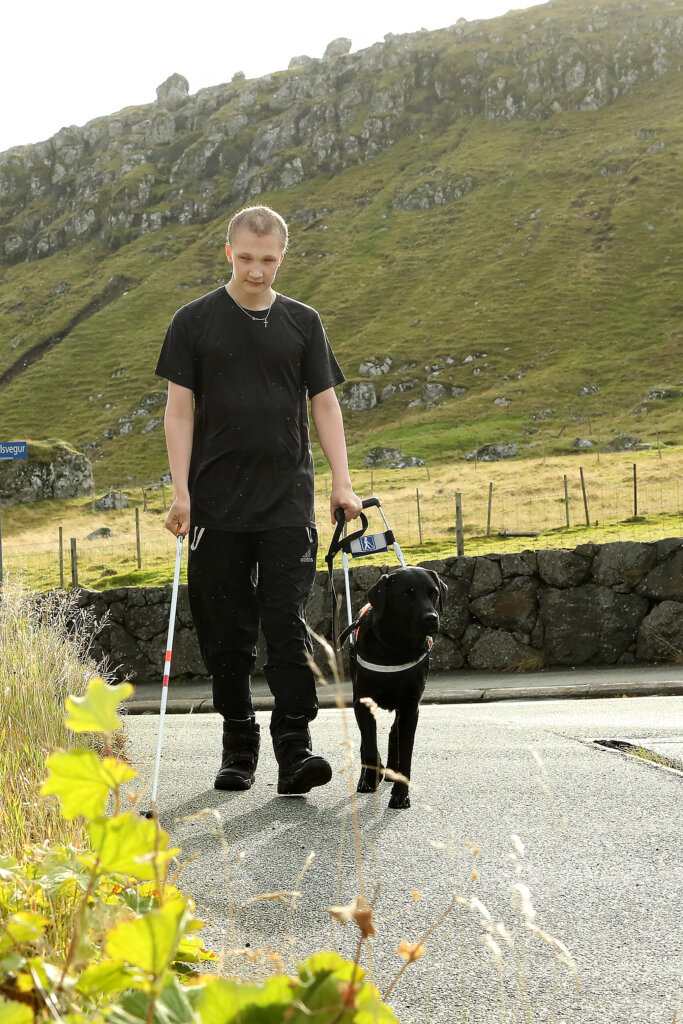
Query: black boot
[241, 740]
[300, 770]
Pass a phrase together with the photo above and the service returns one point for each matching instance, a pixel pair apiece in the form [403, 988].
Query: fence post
[372, 481]
[137, 537]
[585, 499]
[419, 517]
[635, 491]
[459, 538]
[74, 563]
[488, 518]
[144, 499]
[61, 558]
[566, 500]
[659, 447]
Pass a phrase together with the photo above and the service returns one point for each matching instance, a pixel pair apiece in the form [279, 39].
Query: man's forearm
[179, 433]
[329, 427]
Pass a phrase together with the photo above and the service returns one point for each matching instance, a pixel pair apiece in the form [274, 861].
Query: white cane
[167, 673]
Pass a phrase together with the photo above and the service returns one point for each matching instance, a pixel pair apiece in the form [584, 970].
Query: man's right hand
[178, 518]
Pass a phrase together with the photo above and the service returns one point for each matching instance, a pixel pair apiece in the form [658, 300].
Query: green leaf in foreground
[150, 942]
[9, 867]
[328, 989]
[174, 1006]
[222, 1001]
[96, 711]
[107, 977]
[126, 845]
[14, 1013]
[20, 928]
[327, 981]
[83, 782]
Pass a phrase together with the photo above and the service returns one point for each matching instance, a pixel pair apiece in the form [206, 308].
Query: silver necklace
[257, 319]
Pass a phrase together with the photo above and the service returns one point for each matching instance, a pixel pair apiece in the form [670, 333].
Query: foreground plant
[102, 933]
[44, 656]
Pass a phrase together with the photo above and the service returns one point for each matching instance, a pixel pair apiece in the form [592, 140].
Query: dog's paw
[399, 801]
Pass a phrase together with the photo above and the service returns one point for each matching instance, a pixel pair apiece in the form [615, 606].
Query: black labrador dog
[389, 661]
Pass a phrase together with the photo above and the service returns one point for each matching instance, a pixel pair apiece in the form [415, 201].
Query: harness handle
[338, 543]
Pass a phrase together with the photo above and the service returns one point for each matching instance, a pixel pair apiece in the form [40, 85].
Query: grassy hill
[558, 269]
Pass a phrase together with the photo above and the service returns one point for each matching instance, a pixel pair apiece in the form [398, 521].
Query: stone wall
[610, 604]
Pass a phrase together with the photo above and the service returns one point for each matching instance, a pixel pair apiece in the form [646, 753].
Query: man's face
[255, 260]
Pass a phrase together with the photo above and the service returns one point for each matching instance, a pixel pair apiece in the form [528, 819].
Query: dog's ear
[377, 595]
[443, 590]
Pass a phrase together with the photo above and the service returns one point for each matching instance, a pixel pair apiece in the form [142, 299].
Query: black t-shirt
[251, 466]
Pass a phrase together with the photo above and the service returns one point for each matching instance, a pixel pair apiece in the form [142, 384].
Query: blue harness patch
[368, 544]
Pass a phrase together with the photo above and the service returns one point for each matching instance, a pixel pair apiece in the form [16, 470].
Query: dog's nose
[430, 620]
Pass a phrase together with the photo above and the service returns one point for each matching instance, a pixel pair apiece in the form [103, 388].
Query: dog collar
[395, 668]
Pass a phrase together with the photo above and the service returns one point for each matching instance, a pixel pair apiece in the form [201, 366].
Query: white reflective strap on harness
[394, 668]
[198, 532]
[368, 544]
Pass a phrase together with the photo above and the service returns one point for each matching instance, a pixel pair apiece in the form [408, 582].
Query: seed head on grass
[410, 951]
[360, 912]
[495, 949]
[518, 845]
[283, 896]
[372, 706]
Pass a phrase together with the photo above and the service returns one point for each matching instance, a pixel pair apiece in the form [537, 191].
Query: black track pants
[236, 580]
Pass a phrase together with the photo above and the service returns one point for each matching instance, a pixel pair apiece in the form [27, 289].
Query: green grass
[651, 755]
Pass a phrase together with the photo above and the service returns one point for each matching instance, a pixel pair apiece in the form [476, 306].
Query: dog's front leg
[371, 767]
[401, 740]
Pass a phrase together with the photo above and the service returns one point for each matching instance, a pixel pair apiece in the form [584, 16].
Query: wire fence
[538, 520]
[554, 507]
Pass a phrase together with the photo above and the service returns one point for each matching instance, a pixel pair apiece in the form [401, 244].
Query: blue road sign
[13, 450]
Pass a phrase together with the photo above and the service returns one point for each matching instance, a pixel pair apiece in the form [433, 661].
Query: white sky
[67, 62]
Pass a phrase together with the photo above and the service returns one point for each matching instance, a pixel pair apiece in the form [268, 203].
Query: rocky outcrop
[625, 443]
[493, 452]
[172, 93]
[375, 366]
[111, 500]
[434, 193]
[391, 458]
[514, 612]
[337, 48]
[358, 397]
[189, 158]
[53, 469]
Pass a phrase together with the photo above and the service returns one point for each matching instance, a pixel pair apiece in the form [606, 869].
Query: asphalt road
[603, 857]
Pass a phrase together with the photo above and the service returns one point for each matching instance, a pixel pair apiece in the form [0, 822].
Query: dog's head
[411, 599]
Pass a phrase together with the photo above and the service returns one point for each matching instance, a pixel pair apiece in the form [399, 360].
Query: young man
[240, 363]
